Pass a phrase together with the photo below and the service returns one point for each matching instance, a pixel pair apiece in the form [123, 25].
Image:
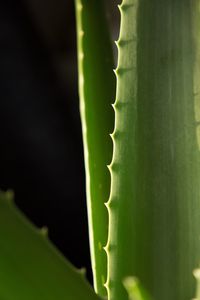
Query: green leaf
[134, 289]
[30, 266]
[96, 90]
[154, 206]
[197, 277]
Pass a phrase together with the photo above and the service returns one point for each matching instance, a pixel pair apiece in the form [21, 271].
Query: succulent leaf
[30, 266]
[134, 289]
[154, 204]
[97, 92]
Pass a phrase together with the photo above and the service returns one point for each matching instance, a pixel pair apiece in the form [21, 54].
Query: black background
[41, 155]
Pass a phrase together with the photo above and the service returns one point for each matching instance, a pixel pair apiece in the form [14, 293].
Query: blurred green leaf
[31, 268]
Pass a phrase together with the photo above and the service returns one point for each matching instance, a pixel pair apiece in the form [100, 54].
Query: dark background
[41, 155]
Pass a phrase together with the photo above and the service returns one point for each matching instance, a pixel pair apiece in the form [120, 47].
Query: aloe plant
[144, 216]
[97, 92]
[156, 151]
[30, 267]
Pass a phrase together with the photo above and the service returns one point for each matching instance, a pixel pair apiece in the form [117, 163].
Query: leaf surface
[97, 92]
[154, 205]
[30, 266]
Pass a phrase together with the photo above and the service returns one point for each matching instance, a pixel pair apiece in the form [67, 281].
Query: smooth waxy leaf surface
[30, 266]
[154, 206]
[96, 90]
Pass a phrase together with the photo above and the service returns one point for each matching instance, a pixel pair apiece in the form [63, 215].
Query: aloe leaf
[97, 92]
[30, 266]
[154, 206]
[135, 289]
[197, 277]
